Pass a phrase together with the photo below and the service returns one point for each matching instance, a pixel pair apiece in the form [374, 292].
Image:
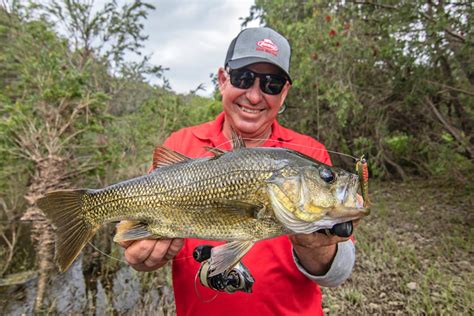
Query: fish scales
[189, 187]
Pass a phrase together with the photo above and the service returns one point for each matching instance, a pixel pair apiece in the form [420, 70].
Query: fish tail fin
[64, 209]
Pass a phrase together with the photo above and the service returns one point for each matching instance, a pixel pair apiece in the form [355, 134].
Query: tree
[54, 109]
[391, 79]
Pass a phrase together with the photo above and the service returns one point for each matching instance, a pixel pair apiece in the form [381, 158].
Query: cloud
[191, 38]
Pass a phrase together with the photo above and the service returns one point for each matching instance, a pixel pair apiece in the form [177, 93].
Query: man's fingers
[126, 244]
[149, 255]
[174, 248]
[157, 255]
[139, 251]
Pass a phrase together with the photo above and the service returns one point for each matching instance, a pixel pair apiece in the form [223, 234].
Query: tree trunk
[48, 175]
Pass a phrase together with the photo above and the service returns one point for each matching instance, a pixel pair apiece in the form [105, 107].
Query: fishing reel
[230, 281]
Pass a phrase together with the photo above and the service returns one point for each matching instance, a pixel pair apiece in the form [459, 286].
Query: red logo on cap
[268, 46]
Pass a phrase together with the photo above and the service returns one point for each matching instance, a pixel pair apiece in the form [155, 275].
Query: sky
[191, 38]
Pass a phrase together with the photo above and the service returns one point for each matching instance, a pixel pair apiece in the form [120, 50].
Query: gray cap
[259, 45]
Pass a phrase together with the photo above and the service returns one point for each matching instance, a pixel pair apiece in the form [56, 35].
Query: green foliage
[366, 73]
[133, 136]
[399, 144]
[74, 113]
[52, 80]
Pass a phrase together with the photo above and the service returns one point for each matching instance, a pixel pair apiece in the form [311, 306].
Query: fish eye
[327, 175]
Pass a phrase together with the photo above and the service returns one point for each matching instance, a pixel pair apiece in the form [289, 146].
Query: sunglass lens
[271, 84]
[242, 79]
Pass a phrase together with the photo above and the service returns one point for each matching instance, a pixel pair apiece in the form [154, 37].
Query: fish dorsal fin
[215, 151]
[237, 140]
[163, 156]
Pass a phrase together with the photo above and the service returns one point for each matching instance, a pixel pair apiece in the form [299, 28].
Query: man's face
[250, 111]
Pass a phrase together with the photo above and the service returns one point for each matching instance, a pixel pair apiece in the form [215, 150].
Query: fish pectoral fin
[132, 230]
[242, 208]
[163, 156]
[224, 257]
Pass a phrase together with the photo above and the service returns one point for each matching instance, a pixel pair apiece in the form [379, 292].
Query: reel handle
[341, 229]
[202, 252]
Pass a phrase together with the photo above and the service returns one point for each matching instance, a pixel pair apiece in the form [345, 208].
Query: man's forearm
[338, 271]
[316, 261]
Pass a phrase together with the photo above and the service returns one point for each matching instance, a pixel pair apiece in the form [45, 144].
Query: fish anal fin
[163, 156]
[132, 230]
[224, 257]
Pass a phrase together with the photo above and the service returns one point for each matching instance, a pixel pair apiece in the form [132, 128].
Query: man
[254, 83]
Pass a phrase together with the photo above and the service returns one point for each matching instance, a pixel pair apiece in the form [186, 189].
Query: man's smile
[247, 110]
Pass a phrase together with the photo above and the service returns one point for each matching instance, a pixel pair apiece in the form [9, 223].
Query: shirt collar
[212, 131]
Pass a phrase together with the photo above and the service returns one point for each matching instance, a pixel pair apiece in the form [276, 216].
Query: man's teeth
[248, 110]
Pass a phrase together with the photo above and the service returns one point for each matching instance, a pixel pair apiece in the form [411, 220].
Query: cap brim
[243, 62]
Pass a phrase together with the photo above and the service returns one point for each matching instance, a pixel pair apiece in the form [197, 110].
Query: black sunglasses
[269, 83]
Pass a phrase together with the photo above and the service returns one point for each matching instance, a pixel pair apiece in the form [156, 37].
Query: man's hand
[151, 254]
[316, 251]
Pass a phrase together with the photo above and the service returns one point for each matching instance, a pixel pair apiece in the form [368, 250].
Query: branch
[450, 128]
[72, 117]
[447, 30]
[450, 87]
[67, 139]
[399, 169]
[385, 6]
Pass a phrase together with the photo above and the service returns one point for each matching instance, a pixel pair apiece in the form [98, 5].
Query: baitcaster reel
[230, 281]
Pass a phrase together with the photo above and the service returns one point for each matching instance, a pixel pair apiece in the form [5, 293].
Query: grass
[414, 253]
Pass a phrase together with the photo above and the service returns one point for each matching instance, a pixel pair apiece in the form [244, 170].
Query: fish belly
[214, 225]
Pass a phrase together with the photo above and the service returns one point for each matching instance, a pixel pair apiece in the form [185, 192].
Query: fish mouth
[296, 225]
[348, 213]
[342, 193]
[349, 207]
[346, 191]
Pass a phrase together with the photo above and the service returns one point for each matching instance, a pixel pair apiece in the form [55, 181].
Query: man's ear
[284, 92]
[222, 78]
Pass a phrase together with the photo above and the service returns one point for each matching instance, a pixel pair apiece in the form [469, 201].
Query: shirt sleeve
[341, 267]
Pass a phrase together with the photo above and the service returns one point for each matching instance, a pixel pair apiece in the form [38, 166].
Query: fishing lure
[363, 172]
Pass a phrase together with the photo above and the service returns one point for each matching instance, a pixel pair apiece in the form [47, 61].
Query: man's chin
[248, 129]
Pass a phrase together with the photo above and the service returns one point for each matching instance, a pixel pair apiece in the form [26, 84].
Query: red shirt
[280, 288]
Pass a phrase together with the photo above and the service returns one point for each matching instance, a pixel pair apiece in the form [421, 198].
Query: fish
[240, 196]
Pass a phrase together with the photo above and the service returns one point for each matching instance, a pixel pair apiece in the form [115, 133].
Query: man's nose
[254, 94]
